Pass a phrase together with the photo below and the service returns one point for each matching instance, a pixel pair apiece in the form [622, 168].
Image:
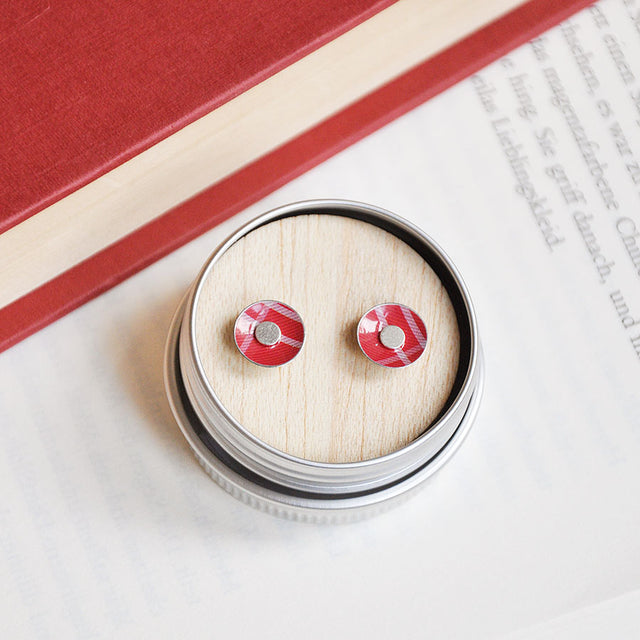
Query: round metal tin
[293, 487]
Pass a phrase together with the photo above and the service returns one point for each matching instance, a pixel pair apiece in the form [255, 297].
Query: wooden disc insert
[330, 403]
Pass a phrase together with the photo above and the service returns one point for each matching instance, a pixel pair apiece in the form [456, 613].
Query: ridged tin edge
[341, 510]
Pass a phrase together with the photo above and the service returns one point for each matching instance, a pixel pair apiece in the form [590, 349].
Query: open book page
[529, 176]
[615, 618]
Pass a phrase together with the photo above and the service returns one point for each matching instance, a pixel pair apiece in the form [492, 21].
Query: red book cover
[86, 86]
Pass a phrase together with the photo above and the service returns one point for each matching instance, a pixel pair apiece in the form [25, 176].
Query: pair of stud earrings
[270, 333]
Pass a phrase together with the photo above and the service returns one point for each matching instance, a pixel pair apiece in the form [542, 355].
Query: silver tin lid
[276, 481]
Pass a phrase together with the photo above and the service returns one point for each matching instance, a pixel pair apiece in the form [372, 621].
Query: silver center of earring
[268, 333]
[392, 337]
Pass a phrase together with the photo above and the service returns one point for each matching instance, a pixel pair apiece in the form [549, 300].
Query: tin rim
[297, 473]
[308, 508]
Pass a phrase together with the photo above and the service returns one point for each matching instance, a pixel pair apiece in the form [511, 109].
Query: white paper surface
[615, 618]
[109, 528]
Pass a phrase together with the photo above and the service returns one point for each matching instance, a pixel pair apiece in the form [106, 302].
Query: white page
[615, 618]
[109, 528]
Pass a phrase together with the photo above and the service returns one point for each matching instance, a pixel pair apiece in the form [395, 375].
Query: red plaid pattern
[281, 314]
[398, 315]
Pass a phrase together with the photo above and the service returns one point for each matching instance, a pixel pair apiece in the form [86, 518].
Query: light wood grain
[330, 403]
[238, 132]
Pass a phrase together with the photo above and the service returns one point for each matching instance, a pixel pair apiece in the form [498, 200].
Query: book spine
[181, 224]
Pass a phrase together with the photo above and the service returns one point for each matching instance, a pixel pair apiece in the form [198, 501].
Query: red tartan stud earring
[392, 335]
[269, 333]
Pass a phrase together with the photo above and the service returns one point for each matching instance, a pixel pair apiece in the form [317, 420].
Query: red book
[130, 128]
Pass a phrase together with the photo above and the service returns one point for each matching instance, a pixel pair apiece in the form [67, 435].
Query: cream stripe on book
[247, 127]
